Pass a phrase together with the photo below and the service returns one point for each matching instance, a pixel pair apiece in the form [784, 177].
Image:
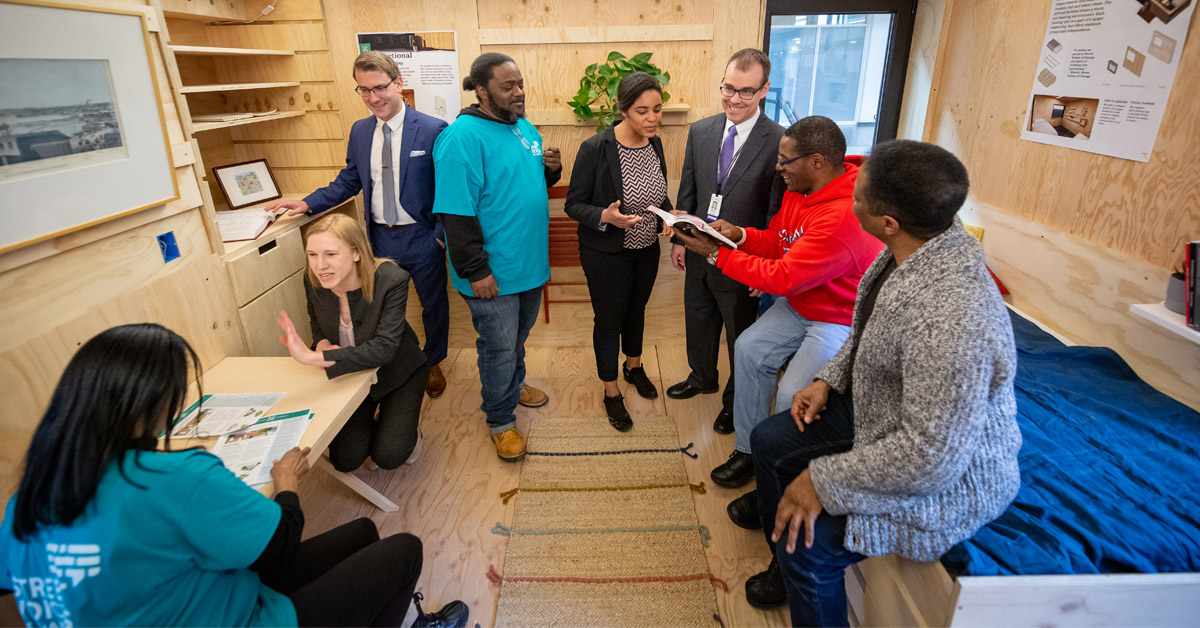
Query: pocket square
[416, 153]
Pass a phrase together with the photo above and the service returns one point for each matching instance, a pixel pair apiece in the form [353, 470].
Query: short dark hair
[111, 399]
[818, 134]
[632, 87]
[483, 68]
[746, 58]
[921, 185]
[375, 61]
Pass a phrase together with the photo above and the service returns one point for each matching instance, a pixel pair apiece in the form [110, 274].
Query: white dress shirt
[397, 126]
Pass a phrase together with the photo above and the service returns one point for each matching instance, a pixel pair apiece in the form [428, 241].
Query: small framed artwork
[247, 183]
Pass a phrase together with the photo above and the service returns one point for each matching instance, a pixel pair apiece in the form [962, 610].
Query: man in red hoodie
[814, 253]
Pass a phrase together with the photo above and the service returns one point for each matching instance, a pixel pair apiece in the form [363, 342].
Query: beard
[503, 114]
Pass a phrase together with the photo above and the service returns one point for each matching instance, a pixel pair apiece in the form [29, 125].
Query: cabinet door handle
[262, 250]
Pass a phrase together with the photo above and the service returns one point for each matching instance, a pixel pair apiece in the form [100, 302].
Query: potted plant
[597, 93]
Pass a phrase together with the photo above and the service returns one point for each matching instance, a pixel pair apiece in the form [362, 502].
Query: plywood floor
[449, 498]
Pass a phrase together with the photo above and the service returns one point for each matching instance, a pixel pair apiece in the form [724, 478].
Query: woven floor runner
[604, 531]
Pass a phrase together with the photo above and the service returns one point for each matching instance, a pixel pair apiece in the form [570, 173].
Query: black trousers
[348, 576]
[712, 301]
[388, 439]
[619, 285]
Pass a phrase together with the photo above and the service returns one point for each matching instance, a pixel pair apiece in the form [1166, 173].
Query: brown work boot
[532, 397]
[510, 445]
[436, 384]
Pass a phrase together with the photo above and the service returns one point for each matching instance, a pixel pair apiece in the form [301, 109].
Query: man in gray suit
[728, 173]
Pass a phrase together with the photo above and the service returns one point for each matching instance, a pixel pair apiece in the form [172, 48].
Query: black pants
[712, 301]
[388, 439]
[619, 285]
[349, 577]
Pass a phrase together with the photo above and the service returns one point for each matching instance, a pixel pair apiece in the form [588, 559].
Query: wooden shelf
[229, 87]
[1159, 314]
[198, 127]
[210, 51]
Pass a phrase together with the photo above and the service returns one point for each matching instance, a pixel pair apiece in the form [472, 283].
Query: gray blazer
[753, 191]
[382, 337]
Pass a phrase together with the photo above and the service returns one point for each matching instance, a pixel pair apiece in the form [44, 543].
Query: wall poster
[428, 63]
[1104, 74]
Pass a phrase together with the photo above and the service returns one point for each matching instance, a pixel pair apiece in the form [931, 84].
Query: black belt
[383, 226]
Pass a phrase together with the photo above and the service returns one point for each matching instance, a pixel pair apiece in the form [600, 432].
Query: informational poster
[428, 63]
[1104, 74]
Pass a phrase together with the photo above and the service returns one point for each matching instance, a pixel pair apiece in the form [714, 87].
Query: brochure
[251, 452]
[223, 413]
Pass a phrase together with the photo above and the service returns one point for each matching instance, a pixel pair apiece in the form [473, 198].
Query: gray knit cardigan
[935, 430]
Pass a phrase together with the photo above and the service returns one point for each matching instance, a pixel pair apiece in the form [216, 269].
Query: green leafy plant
[598, 86]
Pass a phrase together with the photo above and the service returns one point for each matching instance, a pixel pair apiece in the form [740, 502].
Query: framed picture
[247, 183]
[83, 137]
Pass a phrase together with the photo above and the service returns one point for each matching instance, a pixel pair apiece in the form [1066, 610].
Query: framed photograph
[83, 137]
[247, 183]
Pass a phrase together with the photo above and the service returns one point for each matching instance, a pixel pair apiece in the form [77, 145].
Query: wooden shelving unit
[216, 51]
[1158, 314]
[199, 127]
[230, 87]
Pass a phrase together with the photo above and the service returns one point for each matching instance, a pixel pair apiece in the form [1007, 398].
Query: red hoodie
[814, 252]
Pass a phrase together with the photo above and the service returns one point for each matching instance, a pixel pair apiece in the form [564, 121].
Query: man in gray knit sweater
[907, 441]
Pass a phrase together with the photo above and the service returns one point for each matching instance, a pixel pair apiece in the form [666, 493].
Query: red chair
[564, 252]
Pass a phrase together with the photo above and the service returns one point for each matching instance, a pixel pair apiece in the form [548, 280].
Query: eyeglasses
[783, 162]
[746, 93]
[378, 90]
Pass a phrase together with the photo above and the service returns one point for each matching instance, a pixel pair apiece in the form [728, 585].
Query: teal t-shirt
[174, 553]
[494, 172]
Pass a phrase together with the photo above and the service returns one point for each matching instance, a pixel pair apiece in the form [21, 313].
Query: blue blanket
[1110, 471]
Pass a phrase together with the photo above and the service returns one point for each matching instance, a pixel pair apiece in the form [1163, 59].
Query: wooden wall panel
[556, 13]
[315, 153]
[304, 67]
[307, 97]
[568, 139]
[1143, 209]
[315, 125]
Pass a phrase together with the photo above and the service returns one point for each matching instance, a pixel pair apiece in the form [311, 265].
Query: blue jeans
[814, 577]
[776, 336]
[503, 324]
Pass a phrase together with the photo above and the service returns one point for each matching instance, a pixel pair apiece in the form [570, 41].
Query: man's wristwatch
[712, 257]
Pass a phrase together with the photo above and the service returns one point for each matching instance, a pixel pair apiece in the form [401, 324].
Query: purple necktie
[726, 160]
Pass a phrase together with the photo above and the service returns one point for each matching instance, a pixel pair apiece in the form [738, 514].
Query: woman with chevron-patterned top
[618, 174]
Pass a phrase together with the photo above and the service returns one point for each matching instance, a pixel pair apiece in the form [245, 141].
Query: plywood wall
[554, 40]
[58, 293]
[1077, 237]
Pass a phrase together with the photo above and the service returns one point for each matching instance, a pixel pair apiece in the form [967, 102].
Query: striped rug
[604, 531]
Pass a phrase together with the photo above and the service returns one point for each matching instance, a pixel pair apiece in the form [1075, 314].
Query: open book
[245, 224]
[687, 222]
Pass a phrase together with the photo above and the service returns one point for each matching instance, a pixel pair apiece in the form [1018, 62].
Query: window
[842, 59]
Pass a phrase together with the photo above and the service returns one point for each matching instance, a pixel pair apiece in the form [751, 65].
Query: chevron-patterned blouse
[644, 185]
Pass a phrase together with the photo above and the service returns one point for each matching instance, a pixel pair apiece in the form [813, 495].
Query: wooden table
[331, 400]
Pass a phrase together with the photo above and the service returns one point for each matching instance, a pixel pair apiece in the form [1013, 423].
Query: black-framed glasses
[783, 162]
[746, 93]
[378, 90]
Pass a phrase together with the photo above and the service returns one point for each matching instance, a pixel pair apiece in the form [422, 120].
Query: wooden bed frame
[895, 591]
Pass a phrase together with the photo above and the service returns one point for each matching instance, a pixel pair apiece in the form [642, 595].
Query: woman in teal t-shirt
[107, 530]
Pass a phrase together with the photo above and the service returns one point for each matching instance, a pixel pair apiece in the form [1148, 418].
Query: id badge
[714, 207]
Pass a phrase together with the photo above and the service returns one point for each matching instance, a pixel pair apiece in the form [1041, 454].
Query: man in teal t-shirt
[491, 175]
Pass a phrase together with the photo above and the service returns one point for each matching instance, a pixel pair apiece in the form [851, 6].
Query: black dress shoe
[686, 390]
[618, 416]
[637, 377]
[765, 590]
[743, 511]
[734, 472]
[452, 615]
[724, 422]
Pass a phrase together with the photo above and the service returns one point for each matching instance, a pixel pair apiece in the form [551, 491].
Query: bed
[1041, 126]
[1105, 530]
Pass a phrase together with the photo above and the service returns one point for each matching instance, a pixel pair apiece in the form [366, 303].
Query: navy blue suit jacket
[416, 171]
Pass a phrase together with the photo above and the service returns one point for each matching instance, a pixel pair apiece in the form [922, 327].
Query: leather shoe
[765, 590]
[618, 416]
[532, 397]
[436, 384]
[734, 472]
[637, 377]
[743, 512]
[510, 445]
[686, 390]
[724, 422]
[452, 615]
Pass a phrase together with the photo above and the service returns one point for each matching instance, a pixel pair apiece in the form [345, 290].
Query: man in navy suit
[390, 160]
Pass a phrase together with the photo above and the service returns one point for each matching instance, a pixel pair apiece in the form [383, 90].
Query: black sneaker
[452, 615]
[765, 590]
[618, 416]
[637, 377]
